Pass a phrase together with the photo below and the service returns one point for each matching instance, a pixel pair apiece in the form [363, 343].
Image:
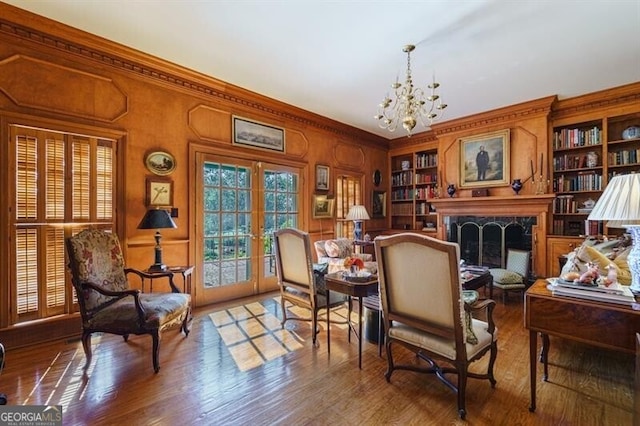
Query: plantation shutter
[62, 181]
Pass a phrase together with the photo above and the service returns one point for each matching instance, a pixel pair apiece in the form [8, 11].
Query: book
[627, 298]
[612, 289]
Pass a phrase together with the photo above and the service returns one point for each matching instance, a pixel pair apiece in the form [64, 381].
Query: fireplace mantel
[517, 205]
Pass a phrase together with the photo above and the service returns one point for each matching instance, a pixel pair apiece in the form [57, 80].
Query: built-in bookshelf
[585, 155]
[414, 181]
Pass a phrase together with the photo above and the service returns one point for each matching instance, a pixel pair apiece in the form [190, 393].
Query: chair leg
[492, 361]
[156, 350]
[314, 327]
[462, 387]
[186, 322]
[390, 366]
[86, 345]
[284, 311]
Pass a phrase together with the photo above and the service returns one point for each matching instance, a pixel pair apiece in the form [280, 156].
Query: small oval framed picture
[160, 163]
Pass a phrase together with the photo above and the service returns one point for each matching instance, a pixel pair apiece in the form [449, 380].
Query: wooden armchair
[423, 311]
[294, 268]
[108, 305]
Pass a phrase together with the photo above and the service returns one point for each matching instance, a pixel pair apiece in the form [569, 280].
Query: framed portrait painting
[484, 160]
[379, 204]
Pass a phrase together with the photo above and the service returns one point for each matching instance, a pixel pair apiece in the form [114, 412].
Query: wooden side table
[170, 272]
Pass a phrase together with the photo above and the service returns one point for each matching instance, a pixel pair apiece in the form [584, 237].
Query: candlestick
[532, 172]
[541, 164]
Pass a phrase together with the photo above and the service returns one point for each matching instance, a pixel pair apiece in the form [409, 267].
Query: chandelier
[410, 104]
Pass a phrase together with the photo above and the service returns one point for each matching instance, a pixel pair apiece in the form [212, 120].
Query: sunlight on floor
[254, 336]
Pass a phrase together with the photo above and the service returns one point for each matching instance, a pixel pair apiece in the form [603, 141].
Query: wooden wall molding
[107, 102]
[524, 110]
[160, 71]
[348, 156]
[610, 98]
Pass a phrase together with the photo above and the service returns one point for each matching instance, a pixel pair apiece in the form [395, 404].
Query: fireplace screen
[485, 240]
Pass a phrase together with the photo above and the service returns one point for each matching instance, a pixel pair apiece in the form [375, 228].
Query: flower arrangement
[353, 261]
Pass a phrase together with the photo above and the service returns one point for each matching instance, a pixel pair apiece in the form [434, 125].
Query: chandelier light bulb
[409, 105]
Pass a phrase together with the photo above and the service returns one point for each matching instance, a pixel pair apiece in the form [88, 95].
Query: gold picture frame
[322, 177]
[484, 160]
[322, 206]
[159, 192]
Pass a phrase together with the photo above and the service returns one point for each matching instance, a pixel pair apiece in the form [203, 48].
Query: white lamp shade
[357, 213]
[620, 201]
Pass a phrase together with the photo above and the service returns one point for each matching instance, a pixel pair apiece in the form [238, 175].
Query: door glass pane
[227, 224]
[280, 202]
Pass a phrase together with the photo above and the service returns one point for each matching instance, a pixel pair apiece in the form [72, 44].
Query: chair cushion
[440, 345]
[162, 310]
[504, 276]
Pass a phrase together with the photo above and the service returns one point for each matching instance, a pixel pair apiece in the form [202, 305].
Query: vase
[451, 189]
[516, 185]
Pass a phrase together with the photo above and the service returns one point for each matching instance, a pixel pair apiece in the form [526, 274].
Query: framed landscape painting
[257, 135]
[484, 160]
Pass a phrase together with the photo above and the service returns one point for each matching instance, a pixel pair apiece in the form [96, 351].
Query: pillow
[338, 248]
[504, 276]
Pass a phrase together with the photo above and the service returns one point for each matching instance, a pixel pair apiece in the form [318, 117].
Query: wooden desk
[605, 325]
[336, 282]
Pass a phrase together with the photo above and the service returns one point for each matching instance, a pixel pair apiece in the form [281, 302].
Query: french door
[239, 204]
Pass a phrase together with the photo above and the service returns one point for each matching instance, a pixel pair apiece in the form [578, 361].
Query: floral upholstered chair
[108, 305]
[335, 252]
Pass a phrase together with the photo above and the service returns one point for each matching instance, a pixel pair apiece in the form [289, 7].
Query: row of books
[570, 162]
[580, 182]
[616, 293]
[620, 158]
[571, 138]
[426, 160]
[426, 178]
[402, 178]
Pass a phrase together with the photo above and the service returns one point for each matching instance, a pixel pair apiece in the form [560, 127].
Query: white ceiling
[338, 58]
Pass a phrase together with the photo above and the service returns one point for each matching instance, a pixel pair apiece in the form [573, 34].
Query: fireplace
[485, 227]
[485, 240]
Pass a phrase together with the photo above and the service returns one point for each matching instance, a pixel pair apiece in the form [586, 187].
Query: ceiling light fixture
[410, 105]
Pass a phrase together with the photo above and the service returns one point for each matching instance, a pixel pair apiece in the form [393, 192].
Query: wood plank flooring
[200, 383]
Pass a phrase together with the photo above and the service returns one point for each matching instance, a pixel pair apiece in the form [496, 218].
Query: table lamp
[358, 214]
[157, 219]
[620, 204]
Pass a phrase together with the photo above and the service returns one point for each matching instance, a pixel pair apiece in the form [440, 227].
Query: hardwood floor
[199, 382]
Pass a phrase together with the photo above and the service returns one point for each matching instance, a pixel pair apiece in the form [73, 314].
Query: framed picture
[322, 177]
[379, 204]
[160, 163]
[257, 135]
[159, 192]
[484, 160]
[322, 206]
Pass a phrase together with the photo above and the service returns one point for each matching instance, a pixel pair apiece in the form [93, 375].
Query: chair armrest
[485, 309]
[120, 295]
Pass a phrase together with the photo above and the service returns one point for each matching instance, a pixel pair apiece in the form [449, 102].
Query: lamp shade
[620, 201]
[357, 212]
[157, 219]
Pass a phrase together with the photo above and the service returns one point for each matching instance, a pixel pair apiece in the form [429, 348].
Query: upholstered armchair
[424, 311]
[298, 283]
[108, 304]
[334, 252]
[515, 274]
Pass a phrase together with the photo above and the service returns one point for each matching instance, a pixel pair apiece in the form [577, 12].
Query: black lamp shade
[157, 219]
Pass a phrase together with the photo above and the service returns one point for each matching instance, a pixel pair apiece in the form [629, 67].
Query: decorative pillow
[504, 276]
[338, 248]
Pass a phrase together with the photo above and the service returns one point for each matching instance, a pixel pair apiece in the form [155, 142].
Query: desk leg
[533, 348]
[544, 356]
[328, 324]
[490, 289]
[350, 305]
[360, 333]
